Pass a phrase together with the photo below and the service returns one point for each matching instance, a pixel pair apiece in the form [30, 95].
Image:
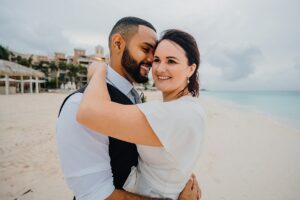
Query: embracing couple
[112, 146]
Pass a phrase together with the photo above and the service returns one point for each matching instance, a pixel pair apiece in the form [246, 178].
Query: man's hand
[191, 190]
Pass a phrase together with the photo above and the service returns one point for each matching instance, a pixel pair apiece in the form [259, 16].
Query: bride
[168, 133]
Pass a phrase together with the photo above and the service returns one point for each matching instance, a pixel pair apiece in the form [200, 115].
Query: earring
[188, 80]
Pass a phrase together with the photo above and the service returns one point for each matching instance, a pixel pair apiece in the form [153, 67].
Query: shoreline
[283, 120]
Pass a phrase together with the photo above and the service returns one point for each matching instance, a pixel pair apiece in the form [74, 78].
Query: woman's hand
[98, 66]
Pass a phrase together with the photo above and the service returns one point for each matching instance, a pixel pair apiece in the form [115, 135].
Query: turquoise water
[277, 104]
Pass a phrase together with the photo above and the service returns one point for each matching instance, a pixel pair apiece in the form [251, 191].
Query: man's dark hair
[127, 27]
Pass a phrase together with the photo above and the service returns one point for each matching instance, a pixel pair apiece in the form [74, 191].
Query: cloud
[297, 63]
[235, 62]
[272, 29]
[36, 36]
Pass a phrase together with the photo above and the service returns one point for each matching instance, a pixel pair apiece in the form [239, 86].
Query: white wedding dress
[164, 171]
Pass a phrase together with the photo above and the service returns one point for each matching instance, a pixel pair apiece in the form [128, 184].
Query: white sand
[245, 155]
[248, 156]
[28, 148]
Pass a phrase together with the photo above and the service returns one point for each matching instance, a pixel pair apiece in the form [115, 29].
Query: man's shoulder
[72, 101]
[74, 98]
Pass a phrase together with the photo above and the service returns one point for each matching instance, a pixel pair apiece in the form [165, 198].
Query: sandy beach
[246, 155]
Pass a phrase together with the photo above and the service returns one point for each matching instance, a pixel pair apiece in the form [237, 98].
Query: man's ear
[117, 43]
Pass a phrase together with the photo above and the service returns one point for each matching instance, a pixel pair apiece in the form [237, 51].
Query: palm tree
[29, 60]
[4, 53]
[55, 68]
[73, 70]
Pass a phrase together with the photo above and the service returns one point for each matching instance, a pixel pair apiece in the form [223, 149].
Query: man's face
[137, 56]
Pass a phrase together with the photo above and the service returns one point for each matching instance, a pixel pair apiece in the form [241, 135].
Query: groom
[96, 166]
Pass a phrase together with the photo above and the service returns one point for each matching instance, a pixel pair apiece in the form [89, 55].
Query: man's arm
[191, 191]
[124, 195]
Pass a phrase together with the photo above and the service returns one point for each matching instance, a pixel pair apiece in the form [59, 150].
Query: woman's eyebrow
[171, 57]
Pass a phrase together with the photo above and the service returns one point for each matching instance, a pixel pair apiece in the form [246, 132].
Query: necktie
[136, 96]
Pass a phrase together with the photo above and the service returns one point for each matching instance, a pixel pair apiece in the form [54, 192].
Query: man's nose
[150, 57]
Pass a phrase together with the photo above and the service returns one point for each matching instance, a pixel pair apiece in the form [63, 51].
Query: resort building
[58, 69]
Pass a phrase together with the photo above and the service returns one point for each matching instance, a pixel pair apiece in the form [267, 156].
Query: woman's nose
[160, 67]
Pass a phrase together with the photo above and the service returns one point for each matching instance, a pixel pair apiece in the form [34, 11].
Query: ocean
[279, 105]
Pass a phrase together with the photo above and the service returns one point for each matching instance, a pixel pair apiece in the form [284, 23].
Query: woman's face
[170, 67]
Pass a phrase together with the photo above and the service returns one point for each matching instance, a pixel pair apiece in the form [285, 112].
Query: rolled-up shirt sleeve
[83, 155]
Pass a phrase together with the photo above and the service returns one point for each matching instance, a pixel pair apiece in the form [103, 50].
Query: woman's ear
[192, 69]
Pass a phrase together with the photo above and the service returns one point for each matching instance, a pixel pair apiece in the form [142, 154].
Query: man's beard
[133, 68]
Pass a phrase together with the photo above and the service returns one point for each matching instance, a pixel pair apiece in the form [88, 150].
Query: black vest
[123, 155]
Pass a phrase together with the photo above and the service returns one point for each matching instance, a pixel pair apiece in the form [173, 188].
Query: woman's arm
[124, 122]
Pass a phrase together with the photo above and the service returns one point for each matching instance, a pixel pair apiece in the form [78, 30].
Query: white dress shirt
[83, 153]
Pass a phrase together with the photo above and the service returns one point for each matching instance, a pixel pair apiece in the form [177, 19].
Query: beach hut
[14, 73]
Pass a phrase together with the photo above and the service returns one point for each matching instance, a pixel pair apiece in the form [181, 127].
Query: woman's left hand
[96, 66]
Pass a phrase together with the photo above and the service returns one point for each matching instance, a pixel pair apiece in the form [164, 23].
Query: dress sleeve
[179, 125]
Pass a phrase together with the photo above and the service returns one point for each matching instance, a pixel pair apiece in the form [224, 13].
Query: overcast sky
[244, 44]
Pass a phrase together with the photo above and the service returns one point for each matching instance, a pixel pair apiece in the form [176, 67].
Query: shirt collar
[118, 81]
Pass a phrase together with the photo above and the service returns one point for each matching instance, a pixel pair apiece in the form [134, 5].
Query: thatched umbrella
[13, 69]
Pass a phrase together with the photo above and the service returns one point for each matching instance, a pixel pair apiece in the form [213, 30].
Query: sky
[244, 44]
